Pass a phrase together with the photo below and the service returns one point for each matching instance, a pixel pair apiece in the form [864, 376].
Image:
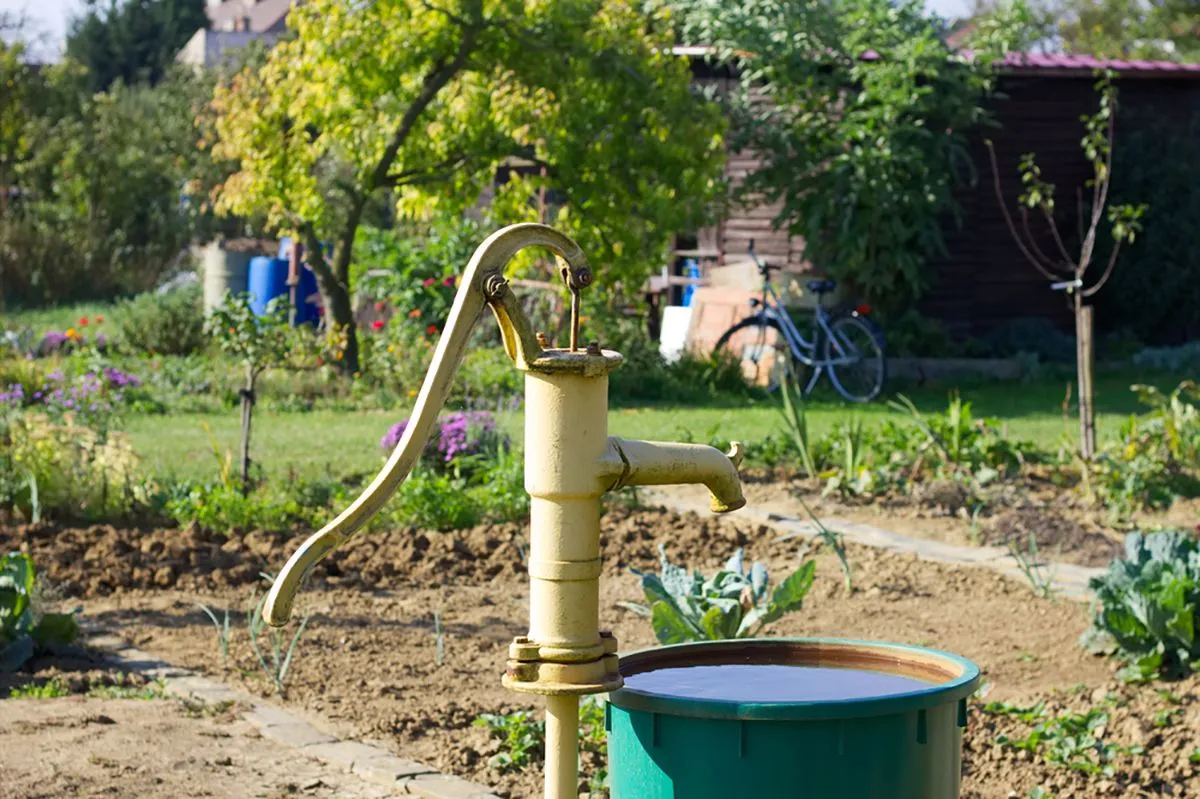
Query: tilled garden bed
[368, 660]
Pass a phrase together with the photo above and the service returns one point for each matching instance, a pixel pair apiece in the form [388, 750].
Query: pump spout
[644, 463]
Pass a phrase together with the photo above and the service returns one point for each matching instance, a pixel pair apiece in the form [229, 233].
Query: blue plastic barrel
[268, 280]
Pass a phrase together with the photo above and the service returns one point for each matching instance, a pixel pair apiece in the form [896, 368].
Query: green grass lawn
[341, 442]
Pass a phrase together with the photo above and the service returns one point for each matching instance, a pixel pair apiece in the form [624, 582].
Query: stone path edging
[371, 763]
[1068, 579]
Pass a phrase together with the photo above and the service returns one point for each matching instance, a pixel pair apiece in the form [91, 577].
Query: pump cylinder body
[566, 433]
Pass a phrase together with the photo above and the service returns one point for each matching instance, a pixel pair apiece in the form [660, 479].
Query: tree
[1065, 269]
[1160, 29]
[132, 40]
[260, 343]
[857, 109]
[1168, 29]
[96, 210]
[421, 102]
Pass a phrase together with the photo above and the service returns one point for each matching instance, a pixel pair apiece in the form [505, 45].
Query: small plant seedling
[1038, 573]
[1194, 757]
[593, 739]
[1040, 793]
[281, 658]
[222, 632]
[795, 419]
[1073, 740]
[53, 688]
[1166, 717]
[524, 738]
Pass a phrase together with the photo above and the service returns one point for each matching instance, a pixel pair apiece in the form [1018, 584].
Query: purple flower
[458, 435]
[392, 437]
[120, 379]
[14, 396]
[55, 376]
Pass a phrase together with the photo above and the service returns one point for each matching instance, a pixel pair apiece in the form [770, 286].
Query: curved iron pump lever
[482, 284]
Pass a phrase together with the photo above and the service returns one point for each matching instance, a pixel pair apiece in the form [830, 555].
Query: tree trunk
[335, 292]
[1083, 360]
[247, 410]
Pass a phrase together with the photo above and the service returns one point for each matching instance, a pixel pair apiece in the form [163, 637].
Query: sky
[49, 17]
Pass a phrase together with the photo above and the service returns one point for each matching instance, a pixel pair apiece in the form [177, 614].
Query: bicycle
[848, 344]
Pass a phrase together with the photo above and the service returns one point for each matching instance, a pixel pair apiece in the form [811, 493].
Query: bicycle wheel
[857, 366]
[760, 347]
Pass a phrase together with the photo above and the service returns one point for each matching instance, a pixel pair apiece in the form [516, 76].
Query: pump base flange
[541, 677]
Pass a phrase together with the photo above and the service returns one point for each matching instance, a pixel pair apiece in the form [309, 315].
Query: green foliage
[259, 342]
[1156, 456]
[524, 738]
[132, 40]
[24, 629]
[97, 180]
[1160, 29]
[124, 689]
[628, 152]
[733, 603]
[1148, 606]
[222, 632]
[1038, 573]
[162, 324]
[60, 467]
[221, 506]
[795, 421]
[435, 502]
[53, 688]
[646, 376]
[1073, 740]
[863, 153]
[593, 741]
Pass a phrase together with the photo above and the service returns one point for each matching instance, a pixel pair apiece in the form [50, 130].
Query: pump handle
[482, 283]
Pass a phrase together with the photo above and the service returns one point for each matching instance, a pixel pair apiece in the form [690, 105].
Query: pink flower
[448, 280]
[377, 324]
[428, 282]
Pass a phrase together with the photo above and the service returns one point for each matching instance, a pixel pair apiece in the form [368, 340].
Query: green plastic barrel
[904, 743]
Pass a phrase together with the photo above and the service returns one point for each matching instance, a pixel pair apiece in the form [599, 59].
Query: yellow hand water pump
[570, 461]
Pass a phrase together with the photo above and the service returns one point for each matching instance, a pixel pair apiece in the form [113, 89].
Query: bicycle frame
[801, 348]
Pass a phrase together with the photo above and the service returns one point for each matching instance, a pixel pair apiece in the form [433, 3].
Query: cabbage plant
[21, 631]
[736, 602]
[1148, 606]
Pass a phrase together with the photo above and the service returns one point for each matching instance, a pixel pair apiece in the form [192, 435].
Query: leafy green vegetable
[20, 634]
[1148, 604]
[524, 738]
[734, 603]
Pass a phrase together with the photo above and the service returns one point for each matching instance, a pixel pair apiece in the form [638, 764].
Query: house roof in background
[265, 15]
[1086, 64]
[1038, 63]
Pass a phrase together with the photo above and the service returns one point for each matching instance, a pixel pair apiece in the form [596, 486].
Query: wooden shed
[984, 281]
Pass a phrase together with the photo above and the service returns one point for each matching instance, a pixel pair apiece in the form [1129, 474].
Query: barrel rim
[959, 677]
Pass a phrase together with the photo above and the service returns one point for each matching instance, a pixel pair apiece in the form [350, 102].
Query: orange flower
[71, 332]
[415, 313]
[99, 318]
